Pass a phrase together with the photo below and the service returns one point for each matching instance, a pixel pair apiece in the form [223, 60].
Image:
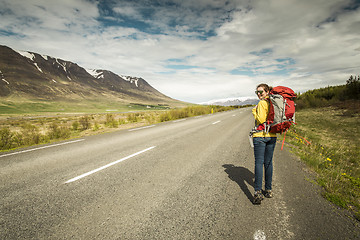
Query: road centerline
[216, 122]
[107, 165]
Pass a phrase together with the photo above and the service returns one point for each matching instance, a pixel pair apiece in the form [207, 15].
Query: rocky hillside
[34, 76]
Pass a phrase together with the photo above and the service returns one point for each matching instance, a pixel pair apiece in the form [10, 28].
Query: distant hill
[233, 102]
[30, 75]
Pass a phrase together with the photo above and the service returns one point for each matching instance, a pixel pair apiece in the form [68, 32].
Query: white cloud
[318, 42]
[128, 11]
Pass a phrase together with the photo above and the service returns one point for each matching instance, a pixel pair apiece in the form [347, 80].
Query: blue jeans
[263, 151]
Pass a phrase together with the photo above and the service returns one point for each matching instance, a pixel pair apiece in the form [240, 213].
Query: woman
[264, 145]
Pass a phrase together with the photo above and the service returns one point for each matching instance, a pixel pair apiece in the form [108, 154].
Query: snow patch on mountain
[131, 79]
[26, 54]
[239, 101]
[95, 73]
[63, 66]
[3, 78]
[38, 67]
[44, 57]
[30, 56]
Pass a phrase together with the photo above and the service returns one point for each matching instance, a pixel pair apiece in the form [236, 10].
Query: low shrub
[30, 135]
[110, 121]
[75, 126]
[96, 126]
[132, 117]
[6, 138]
[85, 122]
[58, 132]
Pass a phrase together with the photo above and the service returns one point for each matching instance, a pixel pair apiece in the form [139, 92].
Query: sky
[195, 51]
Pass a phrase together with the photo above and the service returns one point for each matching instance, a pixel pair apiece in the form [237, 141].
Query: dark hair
[265, 87]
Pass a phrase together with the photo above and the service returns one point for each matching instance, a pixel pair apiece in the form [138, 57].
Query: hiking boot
[258, 197]
[268, 193]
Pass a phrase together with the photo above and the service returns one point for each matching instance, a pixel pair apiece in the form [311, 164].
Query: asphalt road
[185, 179]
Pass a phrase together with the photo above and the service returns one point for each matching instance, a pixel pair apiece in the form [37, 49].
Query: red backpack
[281, 111]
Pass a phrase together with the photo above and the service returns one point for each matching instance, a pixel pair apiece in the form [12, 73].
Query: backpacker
[281, 111]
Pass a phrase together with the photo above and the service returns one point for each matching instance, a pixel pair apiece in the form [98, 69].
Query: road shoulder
[307, 207]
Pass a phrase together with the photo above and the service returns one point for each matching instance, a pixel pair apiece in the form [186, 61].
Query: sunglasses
[257, 92]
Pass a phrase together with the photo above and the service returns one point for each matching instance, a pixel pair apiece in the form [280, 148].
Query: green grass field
[84, 106]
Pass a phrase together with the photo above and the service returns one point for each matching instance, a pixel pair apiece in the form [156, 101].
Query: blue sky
[195, 51]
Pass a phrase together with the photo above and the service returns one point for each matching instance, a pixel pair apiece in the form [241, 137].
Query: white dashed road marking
[107, 165]
[135, 129]
[180, 120]
[259, 235]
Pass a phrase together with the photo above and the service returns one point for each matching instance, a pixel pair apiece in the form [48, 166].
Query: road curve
[185, 179]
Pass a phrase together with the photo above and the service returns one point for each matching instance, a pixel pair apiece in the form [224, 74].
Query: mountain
[233, 101]
[31, 75]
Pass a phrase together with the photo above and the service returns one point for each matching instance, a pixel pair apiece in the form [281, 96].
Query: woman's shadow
[241, 176]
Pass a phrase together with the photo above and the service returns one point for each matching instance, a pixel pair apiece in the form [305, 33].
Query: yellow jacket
[260, 113]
